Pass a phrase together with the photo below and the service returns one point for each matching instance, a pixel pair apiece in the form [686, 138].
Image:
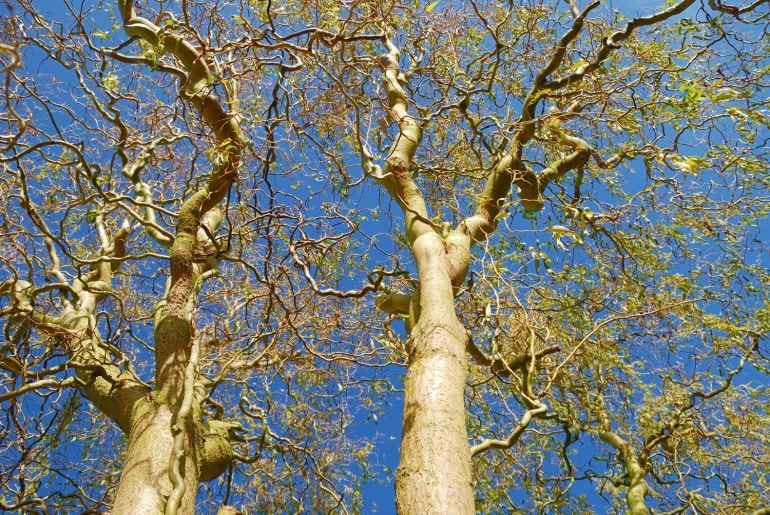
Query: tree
[228, 227]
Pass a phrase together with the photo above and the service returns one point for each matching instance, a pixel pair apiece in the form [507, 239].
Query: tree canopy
[244, 241]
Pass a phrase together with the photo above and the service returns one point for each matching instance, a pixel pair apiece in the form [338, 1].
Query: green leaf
[91, 215]
[431, 6]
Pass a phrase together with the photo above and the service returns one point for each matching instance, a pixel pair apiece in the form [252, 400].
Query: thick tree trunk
[145, 485]
[434, 475]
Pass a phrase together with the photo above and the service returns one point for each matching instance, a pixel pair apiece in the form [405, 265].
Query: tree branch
[396, 178]
[637, 486]
[526, 419]
[510, 169]
[500, 366]
[182, 420]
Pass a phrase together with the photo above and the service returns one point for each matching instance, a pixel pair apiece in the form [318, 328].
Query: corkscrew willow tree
[238, 235]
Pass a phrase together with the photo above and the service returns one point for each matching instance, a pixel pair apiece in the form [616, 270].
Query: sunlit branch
[637, 486]
[394, 303]
[612, 43]
[20, 293]
[531, 186]
[195, 88]
[396, 176]
[132, 169]
[510, 170]
[146, 61]
[717, 5]
[152, 229]
[53, 384]
[27, 503]
[55, 268]
[11, 139]
[61, 287]
[574, 8]
[182, 419]
[112, 390]
[556, 59]
[509, 442]
[377, 278]
[502, 367]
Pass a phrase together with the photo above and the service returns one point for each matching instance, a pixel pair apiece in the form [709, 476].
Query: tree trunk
[434, 474]
[145, 485]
